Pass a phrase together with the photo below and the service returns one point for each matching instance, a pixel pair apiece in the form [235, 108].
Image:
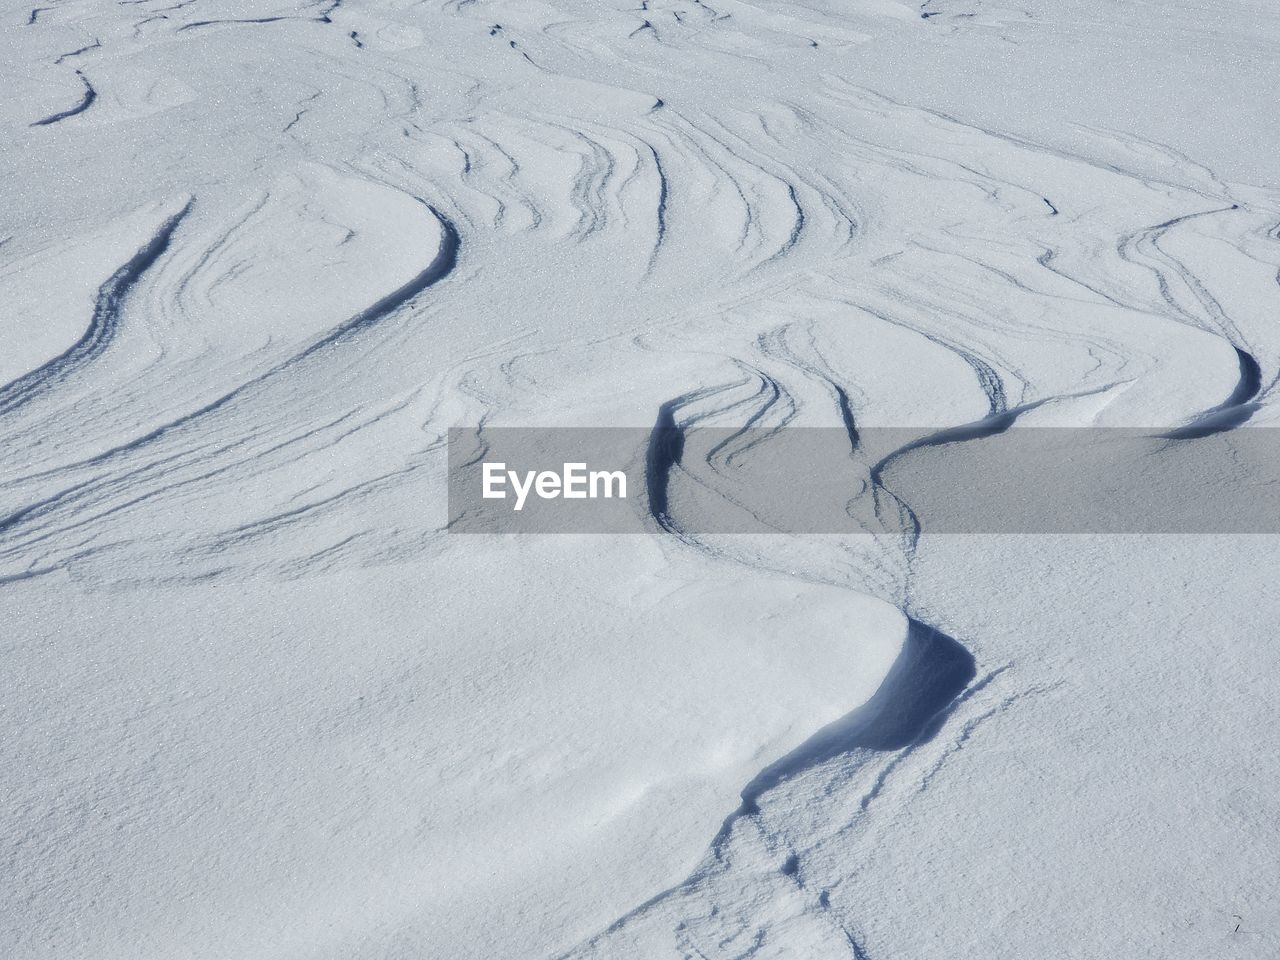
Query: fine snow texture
[256, 260]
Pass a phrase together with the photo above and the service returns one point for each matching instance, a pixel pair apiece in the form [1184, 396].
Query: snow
[253, 775]
[260, 700]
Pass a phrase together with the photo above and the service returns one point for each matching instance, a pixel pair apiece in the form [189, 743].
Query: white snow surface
[257, 258]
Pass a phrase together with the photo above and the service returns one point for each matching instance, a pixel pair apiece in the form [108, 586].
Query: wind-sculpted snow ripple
[102, 325]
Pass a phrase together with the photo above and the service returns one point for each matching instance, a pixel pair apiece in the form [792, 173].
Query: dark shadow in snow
[441, 266]
[908, 709]
[666, 447]
[846, 416]
[1233, 411]
[217, 23]
[86, 101]
[102, 326]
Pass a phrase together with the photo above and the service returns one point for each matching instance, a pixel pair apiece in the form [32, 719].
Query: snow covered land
[263, 263]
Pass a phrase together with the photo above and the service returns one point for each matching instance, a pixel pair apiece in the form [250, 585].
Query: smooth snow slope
[257, 258]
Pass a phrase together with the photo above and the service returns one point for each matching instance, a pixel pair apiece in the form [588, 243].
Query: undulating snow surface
[258, 256]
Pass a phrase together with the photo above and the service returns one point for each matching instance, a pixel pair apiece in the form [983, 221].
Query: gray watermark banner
[816, 480]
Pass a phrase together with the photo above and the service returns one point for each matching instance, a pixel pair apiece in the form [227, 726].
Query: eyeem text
[574, 482]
